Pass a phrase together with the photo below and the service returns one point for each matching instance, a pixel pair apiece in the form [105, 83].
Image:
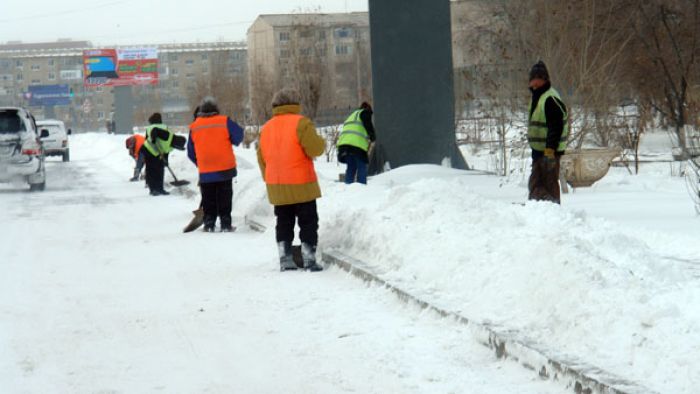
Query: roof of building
[76, 48]
[351, 18]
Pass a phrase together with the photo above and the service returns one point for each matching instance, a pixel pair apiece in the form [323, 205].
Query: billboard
[120, 67]
[48, 95]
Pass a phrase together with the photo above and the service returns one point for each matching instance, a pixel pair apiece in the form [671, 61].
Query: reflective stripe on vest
[160, 147]
[212, 144]
[286, 163]
[354, 132]
[537, 126]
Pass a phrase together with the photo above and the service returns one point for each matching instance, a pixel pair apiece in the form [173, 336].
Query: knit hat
[539, 70]
[155, 118]
[286, 96]
[208, 106]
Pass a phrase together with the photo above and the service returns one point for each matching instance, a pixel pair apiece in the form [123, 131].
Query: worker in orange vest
[134, 144]
[209, 146]
[288, 144]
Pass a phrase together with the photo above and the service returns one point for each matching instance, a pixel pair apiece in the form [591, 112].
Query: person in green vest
[353, 143]
[547, 132]
[158, 145]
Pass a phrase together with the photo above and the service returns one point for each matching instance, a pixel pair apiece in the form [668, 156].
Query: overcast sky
[125, 22]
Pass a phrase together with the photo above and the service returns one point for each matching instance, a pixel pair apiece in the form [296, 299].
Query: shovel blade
[180, 182]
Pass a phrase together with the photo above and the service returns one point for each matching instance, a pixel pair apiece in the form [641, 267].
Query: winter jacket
[345, 150]
[555, 120]
[288, 143]
[209, 146]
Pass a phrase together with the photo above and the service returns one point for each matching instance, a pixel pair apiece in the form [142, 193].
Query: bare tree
[668, 38]
[225, 83]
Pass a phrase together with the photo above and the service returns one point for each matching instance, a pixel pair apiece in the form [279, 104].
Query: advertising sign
[68, 75]
[120, 67]
[48, 95]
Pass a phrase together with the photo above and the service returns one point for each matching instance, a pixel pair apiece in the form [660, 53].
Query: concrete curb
[572, 374]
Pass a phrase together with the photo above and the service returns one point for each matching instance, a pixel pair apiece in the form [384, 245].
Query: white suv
[56, 144]
[21, 152]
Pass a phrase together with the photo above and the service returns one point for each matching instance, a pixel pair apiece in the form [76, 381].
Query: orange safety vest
[212, 144]
[139, 139]
[286, 163]
[134, 144]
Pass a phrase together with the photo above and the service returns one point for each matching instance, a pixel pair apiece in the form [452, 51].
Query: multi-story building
[186, 73]
[326, 56]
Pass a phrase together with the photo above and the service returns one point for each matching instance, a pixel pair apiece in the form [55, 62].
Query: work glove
[550, 161]
[549, 153]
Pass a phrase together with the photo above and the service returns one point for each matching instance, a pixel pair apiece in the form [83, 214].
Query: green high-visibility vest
[537, 127]
[160, 147]
[354, 133]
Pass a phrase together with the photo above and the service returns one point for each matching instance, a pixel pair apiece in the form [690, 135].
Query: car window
[10, 122]
[53, 129]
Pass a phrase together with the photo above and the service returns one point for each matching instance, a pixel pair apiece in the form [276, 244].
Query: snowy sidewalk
[101, 292]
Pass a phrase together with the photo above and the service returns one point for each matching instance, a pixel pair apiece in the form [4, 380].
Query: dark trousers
[356, 167]
[217, 200]
[544, 180]
[154, 172]
[307, 216]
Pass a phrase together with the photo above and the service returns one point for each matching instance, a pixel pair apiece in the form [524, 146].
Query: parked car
[56, 144]
[21, 151]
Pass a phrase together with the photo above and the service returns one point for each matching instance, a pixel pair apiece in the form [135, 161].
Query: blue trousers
[356, 168]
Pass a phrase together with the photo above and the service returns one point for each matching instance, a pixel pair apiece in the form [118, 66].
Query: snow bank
[622, 298]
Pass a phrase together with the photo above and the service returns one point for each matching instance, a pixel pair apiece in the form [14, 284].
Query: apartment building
[326, 54]
[186, 72]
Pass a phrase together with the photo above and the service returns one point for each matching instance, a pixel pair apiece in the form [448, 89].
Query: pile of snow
[615, 296]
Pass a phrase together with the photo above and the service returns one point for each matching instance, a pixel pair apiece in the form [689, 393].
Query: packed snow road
[101, 292]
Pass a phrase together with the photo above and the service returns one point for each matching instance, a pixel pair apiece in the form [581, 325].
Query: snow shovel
[176, 182]
[196, 221]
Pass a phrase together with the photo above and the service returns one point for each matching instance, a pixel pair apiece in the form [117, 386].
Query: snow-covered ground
[612, 277]
[101, 292]
[116, 298]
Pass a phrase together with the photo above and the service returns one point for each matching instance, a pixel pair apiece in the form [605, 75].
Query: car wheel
[37, 187]
[66, 155]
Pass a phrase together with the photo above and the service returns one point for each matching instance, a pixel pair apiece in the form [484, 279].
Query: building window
[189, 75]
[205, 56]
[344, 32]
[99, 89]
[322, 52]
[52, 62]
[20, 77]
[205, 69]
[52, 76]
[343, 50]
[36, 67]
[19, 64]
[306, 33]
[173, 57]
[189, 62]
[322, 35]
[7, 77]
[100, 115]
[173, 71]
[35, 82]
[176, 84]
[284, 53]
[284, 36]
[305, 51]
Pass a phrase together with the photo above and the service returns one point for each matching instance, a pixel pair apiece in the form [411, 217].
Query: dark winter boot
[226, 226]
[286, 259]
[209, 223]
[308, 253]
